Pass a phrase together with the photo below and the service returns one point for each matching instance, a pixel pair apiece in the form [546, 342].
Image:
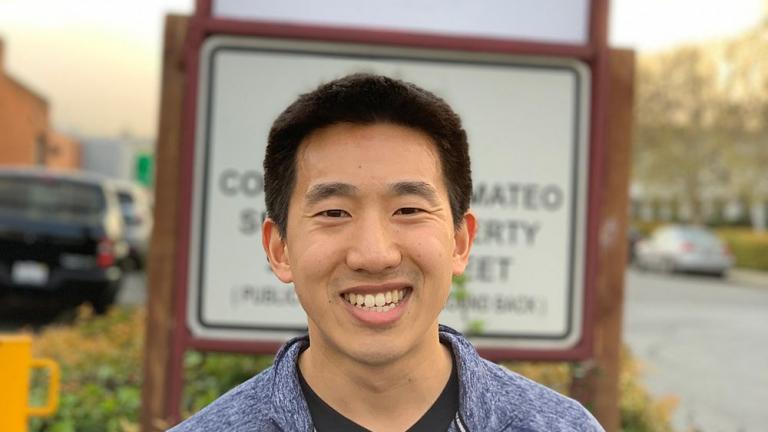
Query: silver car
[687, 248]
[136, 208]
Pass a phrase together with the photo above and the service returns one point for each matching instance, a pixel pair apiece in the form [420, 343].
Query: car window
[51, 198]
[125, 198]
[701, 237]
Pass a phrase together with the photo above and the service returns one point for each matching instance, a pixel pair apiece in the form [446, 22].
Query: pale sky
[98, 61]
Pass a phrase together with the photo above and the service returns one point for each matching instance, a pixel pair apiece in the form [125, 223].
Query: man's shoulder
[535, 406]
[494, 398]
[246, 407]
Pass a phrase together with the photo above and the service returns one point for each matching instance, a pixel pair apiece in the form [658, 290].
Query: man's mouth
[378, 302]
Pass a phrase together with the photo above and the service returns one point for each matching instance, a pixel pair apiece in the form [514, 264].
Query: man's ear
[276, 250]
[462, 240]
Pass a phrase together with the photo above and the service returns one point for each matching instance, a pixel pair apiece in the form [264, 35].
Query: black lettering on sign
[519, 305]
[506, 232]
[484, 268]
[552, 197]
[263, 295]
[251, 220]
[249, 183]
[228, 182]
[472, 302]
[525, 196]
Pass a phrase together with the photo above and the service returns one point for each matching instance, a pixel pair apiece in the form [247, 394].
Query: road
[704, 340]
[133, 291]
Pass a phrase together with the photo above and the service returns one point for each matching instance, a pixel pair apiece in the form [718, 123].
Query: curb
[749, 277]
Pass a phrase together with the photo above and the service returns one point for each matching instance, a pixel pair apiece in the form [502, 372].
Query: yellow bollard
[16, 363]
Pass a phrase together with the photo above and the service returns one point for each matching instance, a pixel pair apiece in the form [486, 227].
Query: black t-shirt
[437, 418]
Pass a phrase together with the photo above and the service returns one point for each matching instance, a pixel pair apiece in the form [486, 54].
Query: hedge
[749, 248]
[101, 358]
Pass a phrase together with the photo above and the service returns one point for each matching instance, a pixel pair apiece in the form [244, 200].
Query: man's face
[371, 247]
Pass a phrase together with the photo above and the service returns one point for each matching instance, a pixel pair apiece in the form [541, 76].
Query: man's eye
[408, 211]
[335, 213]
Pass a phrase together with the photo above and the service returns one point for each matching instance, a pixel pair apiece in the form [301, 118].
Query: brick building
[26, 137]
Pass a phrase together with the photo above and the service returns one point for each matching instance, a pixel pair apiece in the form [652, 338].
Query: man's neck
[388, 397]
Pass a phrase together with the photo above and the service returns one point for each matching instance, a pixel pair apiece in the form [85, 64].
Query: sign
[527, 121]
[145, 169]
[548, 21]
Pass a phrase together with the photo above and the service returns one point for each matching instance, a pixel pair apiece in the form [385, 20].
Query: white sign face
[549, 21]
[527, 126]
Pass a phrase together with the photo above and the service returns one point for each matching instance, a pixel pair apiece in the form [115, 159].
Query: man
[367, 183]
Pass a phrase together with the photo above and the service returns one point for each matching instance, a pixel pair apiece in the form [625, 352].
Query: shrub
[639, 411]
[209, 375]
[645, 228]
[100, 359]
[749, 248]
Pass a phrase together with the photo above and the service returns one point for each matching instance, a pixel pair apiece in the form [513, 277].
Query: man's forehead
[397, 159]
[346, 133]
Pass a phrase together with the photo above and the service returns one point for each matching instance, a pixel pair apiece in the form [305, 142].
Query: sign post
[533, 103]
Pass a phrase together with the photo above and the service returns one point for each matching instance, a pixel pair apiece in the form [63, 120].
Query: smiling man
[368, 183]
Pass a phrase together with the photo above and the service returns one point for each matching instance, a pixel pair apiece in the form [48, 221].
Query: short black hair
[365, 99]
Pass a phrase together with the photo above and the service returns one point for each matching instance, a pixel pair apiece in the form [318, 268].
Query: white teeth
[370, 301]
[379, 302]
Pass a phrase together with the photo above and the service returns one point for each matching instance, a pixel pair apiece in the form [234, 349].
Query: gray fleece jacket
[491, 399]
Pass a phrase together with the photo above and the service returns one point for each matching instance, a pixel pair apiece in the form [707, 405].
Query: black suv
[61, 238]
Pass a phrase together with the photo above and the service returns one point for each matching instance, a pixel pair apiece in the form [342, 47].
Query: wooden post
[596, 383]
[161, 265]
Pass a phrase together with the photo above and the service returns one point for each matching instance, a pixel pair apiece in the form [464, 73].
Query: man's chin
[378, 357]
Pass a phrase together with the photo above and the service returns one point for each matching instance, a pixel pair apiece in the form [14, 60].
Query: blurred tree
[675, 151]
[745, 84]
[700, 131]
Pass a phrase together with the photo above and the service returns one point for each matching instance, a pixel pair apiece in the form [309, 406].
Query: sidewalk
[749, 277]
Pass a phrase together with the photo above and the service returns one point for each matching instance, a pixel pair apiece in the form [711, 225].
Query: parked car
[136, 208]
[61, 238]
[684, 248]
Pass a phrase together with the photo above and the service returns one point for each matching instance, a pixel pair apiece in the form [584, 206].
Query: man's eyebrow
[323, 191]
[418, 188]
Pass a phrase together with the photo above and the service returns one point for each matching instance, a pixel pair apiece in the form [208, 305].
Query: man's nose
[373, 247]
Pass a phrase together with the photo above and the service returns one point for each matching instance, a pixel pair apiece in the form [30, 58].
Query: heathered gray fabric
[492, 399]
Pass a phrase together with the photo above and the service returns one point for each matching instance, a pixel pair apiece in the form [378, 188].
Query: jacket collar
[289, 408]
[476, 403]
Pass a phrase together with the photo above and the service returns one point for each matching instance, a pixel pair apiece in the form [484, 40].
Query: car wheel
[105, 298]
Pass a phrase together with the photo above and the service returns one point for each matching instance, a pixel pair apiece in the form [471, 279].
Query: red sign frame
[202, 25]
